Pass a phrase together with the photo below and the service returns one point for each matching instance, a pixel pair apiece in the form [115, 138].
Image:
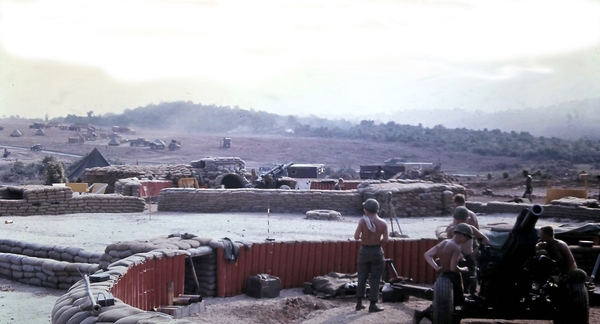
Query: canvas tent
[40, 132]
[114, 142]
[16, 133]
[93, 159]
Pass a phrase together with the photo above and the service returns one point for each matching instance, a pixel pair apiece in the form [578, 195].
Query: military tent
[16, 133]
[40, 132]
[93, 159]
[114, 142]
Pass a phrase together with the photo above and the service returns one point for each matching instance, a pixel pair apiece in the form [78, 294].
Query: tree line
[193, 117]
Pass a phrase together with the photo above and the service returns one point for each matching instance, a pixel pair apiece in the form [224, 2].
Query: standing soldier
[528, 186]
[372, 231]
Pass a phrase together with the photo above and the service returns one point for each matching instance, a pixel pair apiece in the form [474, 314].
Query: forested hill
[192, 117]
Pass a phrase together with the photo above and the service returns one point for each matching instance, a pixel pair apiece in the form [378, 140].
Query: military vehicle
[36, 147]
[140, 141]
[174, 145]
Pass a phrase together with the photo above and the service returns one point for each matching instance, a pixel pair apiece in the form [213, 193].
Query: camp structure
[40, 132]
[16, 133]
[114, 142]
[93, 159]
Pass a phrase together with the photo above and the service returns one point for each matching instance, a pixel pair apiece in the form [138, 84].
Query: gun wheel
[443, 301]
[576, 308]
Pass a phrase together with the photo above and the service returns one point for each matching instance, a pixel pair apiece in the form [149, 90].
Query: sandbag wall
[205, 268]
[198, 249]
[50, 266]
[585, 257]
[300, 261]
[258, 200]
[554, 210]
[113, 173]
[128, 187]
[137, 283]
[48, 200]
[412, 198]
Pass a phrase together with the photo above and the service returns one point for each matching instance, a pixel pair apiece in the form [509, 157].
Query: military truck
[158, 145]
[140, 141]
[174, 145]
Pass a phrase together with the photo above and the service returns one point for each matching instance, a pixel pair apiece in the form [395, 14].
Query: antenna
[268, 223]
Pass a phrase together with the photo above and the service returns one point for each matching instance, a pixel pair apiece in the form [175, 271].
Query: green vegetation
[199, 118]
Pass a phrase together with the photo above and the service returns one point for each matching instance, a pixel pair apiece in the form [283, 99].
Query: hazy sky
[329, 58]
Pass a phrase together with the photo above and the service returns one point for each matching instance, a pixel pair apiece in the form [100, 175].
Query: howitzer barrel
[280, 168]
[531, 217]
[524, 228]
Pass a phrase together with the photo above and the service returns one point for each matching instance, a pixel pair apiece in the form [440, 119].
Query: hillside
[483, 142]
[256, 150]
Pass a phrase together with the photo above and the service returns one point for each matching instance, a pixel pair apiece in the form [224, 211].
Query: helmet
[371, 205]
[461, 212]
[464, 229]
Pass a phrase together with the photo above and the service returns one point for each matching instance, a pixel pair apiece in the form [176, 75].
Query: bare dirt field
[292, 306]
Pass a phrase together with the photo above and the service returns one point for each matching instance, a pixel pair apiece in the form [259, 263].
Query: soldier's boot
[373, 308]
[359, 304]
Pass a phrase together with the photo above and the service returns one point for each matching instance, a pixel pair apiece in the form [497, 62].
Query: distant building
[313, 171]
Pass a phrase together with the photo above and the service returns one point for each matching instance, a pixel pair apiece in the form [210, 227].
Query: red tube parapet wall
[145, 285]
[300, 261]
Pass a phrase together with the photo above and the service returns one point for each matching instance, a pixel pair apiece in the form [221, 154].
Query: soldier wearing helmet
[372, 231]
[469, 249]
[444, 258]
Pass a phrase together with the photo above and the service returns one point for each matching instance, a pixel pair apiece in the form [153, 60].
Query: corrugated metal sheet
[145, 285]
[328, 185]
[297, 262]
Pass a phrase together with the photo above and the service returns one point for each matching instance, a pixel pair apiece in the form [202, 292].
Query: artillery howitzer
[514, 283]
[271, 178]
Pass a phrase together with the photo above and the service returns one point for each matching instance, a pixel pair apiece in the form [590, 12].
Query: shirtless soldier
[469, 250]
[372, 231]
[555, 249]
[448, 252]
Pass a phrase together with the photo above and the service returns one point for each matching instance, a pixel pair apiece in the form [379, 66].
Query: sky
[332, 59]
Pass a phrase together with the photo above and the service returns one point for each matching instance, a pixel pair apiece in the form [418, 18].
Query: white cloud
[327, 54]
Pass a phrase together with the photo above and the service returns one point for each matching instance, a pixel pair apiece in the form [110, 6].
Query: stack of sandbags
[76, 307]
[58, 253]
[43, 272]
[33, 194]
[120, 250]
[111, 174]
[112, 203]
[128, 187]
[258, 200]
[218, 163]
[585, 257]
[206, 273]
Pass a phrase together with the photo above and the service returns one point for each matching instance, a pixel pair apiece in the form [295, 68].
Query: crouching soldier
[448, 254]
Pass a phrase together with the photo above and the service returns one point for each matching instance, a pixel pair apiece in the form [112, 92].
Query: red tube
[305, 260]
[291, 247]
[325, 260]
[262, 267]
[221, 276]
[269, 258]
[414, 260]
[331, 263]
[297, 264]
[338, 257]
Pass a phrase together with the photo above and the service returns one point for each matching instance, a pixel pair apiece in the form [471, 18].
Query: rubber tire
[576, 309]
[443, 301]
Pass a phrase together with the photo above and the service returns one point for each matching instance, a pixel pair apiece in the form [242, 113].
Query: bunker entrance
[232, 181]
